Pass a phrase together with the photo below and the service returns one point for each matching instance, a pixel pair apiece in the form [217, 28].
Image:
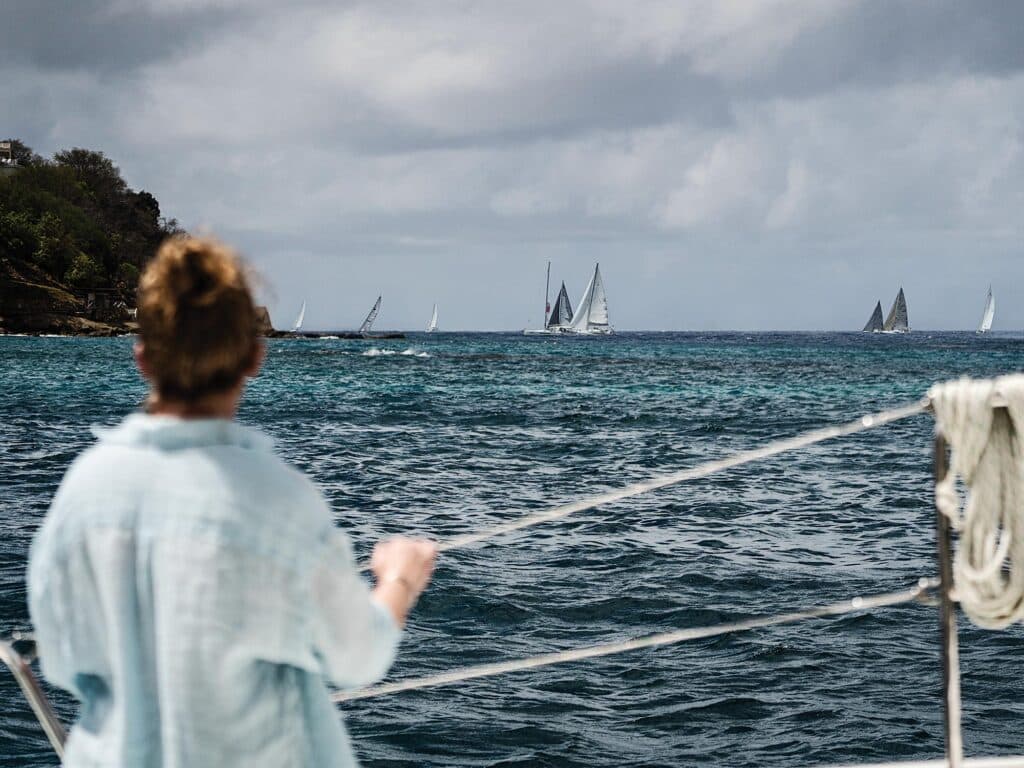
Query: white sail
[298, 321]
[368, 322]
[433, 321]
[591, 315]
[989, 313]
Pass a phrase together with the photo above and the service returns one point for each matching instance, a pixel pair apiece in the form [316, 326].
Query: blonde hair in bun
[197, 318]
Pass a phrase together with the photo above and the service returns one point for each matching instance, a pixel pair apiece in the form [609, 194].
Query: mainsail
[989, 313]
[298, 321]
[368, 322]
[432, 326]
[875, 323]
[592, 314]
[561, 315]
[897, 322]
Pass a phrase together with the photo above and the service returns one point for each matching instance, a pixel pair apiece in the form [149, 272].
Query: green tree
[84, 272]
[17, 234]
[51, 212]
[95, 169]
[55, 249]
[129, 275]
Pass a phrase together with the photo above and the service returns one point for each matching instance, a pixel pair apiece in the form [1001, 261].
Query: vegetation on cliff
[70, 225]
[76, 219]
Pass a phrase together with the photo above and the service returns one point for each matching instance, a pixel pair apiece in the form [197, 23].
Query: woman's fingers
[404, 559]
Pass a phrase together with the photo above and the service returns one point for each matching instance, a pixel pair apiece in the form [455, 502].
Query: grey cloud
[803, 180]
[102, 37]
[876, 43]
[608, 96]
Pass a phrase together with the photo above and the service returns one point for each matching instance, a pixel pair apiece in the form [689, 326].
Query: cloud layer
[773, 165]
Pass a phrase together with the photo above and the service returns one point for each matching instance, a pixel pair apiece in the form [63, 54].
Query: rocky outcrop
[263, 325]
[32, 303]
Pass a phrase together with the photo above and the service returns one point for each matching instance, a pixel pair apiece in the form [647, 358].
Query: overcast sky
[732, 165]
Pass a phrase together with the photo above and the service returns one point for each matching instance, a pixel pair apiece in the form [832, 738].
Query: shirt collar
[172, 432]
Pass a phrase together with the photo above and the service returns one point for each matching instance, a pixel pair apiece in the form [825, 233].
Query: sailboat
[896, 321]
[989, 313]
[875, 323]
[547, 308]
[432, 326]
[591, 317]
[368, 322]
[298, 320]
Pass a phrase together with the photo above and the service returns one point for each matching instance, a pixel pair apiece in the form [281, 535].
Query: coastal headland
[73, 240]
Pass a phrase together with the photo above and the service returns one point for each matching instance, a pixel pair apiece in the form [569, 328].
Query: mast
[547, 294]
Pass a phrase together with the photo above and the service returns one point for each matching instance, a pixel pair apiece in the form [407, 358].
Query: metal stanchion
[19, 666]
[947, 622]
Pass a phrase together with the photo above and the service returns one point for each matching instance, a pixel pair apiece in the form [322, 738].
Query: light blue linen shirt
[191, 590]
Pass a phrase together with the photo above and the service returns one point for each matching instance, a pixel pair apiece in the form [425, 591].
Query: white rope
[649, 641]
[1009, 761]
[785, 445]
[983, 421]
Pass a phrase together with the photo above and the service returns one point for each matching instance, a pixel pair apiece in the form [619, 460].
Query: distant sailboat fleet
[590, 317]
[897, 321]
[364, 331]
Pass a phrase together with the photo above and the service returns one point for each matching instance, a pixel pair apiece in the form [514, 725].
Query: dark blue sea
[449, 433]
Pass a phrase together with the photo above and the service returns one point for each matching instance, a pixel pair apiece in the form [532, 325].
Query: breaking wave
[410, 352]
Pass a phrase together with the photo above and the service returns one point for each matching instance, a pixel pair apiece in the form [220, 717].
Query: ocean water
[449, 433]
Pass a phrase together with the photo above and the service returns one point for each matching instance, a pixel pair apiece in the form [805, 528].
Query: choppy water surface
[448, 433]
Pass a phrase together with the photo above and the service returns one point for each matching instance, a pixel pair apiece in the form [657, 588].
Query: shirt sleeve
[68, 646]
[355, 637]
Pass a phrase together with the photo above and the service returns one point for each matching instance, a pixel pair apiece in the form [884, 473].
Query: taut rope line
[785, 445]
[649, 641]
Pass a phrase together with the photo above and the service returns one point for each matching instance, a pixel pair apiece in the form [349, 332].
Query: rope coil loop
[983, 421]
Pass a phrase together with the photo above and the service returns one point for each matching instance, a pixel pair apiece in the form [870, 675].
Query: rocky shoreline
[35, 304]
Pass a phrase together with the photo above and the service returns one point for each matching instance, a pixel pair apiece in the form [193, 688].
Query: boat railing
[18, 651]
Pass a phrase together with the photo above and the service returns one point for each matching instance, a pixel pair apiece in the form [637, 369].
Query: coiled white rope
[870, 421]
[665, 638]
[983, 421]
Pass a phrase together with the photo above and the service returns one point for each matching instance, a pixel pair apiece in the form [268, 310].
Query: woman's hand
[402, 568]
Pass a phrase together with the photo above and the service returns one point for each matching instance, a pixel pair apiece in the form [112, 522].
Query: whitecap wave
[410, 352]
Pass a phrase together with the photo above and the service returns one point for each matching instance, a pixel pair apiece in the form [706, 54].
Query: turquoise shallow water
[464, 430]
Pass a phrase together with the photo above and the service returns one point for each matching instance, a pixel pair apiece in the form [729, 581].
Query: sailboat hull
[553, 331]
[590, 332]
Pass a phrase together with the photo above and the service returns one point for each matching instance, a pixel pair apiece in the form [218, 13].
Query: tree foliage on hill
[77, 219]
